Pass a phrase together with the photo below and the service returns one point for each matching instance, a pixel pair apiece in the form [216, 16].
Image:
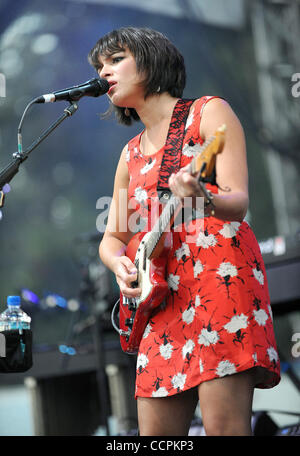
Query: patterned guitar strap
[173, 147]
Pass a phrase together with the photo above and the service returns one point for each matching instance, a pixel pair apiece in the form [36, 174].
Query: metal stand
[95, 289]
[12, 168]
[101, 375]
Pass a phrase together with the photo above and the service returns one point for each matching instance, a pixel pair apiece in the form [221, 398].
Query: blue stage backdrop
[51, 208]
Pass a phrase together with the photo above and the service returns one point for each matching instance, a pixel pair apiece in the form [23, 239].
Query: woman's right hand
[126, 273]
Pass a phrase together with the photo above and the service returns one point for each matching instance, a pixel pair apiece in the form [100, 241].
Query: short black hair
[155, 56]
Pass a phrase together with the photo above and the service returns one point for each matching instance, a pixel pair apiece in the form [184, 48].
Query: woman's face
[121, 73]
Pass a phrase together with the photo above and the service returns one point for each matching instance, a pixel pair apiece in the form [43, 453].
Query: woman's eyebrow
[108, 56]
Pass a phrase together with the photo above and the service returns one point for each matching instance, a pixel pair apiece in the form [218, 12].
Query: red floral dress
[217, 318]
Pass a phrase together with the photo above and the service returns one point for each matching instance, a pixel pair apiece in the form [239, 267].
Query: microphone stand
[12, 168]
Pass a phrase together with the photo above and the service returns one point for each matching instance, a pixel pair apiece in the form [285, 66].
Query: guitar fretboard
[162, 224]
[165, 220]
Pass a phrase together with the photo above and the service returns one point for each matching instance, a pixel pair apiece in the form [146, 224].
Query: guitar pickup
[130, 302]
[132, 305]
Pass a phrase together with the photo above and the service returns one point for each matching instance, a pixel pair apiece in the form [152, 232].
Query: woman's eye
[116, 59]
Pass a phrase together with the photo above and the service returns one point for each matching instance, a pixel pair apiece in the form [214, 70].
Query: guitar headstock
[205, 161]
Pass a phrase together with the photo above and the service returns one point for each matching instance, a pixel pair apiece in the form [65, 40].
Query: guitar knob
[129, 321]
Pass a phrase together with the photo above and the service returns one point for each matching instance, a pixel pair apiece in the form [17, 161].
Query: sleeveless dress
[217, 318]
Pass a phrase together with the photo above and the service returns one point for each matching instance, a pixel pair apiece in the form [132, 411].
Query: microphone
[92, 88]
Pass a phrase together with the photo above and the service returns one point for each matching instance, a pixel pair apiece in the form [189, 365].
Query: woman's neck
[155, 110]
[156, 113]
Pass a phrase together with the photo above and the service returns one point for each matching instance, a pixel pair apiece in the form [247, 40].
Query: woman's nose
[105, 71]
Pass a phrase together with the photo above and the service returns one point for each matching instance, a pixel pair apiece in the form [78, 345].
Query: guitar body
[134, 314]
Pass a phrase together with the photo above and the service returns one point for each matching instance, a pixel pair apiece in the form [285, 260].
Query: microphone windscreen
[103, 85]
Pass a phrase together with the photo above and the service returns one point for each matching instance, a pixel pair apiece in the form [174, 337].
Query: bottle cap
[13, 300]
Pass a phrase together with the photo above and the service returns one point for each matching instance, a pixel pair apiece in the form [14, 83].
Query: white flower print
[237, 322]
[161, 392]
[260, 316]
[188, 315]
[270, 311]
[272, 354]
[173, 281]
[148, 166]
[191, 151]
[140, 194]
[166, 350]
[197, 301]
[127, 154]
[258, 275]
[225, 368]
[147, 331]
[254, 356]
[206, 241]
[201, 366]
[142, 361]
[188, 348]
[208, 338]
[226, 269]
[190, 119]
[229, 230]
[183, 250]
[198, 268]
[178, 381]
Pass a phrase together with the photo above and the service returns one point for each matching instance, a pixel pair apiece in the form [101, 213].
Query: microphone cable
[19, 138]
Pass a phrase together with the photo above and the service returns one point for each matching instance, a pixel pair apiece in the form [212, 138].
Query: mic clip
[71, 109]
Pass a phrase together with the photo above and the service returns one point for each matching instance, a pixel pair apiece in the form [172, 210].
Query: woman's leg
[167, 416]
[226, 404]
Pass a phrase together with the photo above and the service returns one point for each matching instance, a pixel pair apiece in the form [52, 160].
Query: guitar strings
[170, 208]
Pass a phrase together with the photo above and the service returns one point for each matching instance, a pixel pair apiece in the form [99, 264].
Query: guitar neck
[164, 222]
[169, 212]
[203, 164]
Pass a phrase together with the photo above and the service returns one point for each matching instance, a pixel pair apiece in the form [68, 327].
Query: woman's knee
[167, 416]
[219, 424]
[226, 404]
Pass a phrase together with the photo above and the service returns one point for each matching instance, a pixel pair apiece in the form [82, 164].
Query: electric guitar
[149, 253]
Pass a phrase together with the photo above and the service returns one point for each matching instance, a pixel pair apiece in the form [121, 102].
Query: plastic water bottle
[14, 318]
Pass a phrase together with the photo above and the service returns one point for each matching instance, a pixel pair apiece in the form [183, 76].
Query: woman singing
[212, 340]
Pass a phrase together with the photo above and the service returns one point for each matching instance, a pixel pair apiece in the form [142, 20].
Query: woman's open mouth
[112, 85]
